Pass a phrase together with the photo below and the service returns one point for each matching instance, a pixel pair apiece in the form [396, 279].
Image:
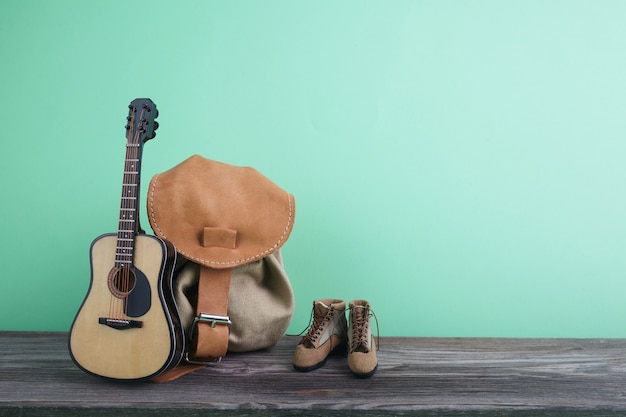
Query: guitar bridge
[120, 324]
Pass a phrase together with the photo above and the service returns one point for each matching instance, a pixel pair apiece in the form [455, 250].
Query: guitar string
[132, 151]
[123, 235]
[116, 307]
[119, 278]
[132, 167]
[122, 277]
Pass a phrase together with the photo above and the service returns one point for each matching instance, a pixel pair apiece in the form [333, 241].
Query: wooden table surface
[416, 376]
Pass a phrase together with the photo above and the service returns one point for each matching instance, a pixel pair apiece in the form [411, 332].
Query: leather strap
[209, 336]
[175, 373]
[211, 341]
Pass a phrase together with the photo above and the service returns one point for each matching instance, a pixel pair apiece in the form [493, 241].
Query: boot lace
[360, 316]
[315, 326]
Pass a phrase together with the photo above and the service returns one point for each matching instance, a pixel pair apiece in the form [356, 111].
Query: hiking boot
[326, 335]
[362, 359]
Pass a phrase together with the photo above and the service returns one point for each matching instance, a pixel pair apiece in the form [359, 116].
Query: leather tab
[219, 237]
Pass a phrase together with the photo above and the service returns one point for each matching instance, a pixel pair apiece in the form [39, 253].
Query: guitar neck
[129, 214]
[140, 128]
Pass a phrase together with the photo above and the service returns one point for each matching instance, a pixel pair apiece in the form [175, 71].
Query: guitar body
[134, 337]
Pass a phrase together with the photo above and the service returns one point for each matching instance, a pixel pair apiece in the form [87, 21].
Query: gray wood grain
[416, 376]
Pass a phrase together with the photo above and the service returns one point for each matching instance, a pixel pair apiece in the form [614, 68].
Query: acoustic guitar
[128, 325]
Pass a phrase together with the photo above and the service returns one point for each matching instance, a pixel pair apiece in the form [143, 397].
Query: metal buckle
[213, 320]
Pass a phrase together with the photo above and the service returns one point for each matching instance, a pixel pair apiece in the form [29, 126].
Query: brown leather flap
[219, 215]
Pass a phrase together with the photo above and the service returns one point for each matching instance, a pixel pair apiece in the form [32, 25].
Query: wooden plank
[416, 376]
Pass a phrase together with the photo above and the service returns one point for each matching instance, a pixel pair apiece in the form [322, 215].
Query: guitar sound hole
[122, 281]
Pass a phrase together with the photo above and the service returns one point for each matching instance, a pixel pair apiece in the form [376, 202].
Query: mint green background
[460, 164]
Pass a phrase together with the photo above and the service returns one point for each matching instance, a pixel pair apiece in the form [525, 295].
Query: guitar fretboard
[129, 222]
[140, 128]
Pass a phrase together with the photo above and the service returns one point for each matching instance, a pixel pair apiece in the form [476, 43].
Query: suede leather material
[325, 335]
[362, 358]
[363, 363]
[304, 358]
[200, 193]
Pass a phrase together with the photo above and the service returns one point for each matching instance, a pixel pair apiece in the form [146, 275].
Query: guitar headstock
[142, 124]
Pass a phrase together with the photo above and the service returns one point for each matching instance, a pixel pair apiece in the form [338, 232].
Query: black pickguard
[139, 299]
